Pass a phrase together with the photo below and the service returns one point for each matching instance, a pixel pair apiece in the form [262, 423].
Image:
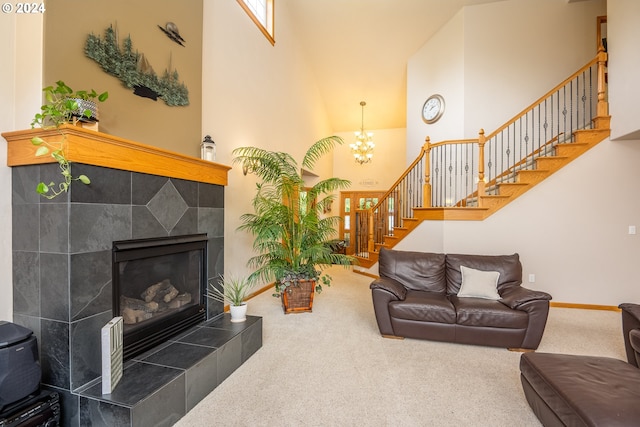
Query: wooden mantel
[100, 149]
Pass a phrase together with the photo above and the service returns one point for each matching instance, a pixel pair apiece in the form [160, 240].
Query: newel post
[481, 141]
[370, 243]
[426, 188]
[603, 105]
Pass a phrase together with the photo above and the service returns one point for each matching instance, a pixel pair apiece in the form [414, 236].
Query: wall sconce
[208, 149]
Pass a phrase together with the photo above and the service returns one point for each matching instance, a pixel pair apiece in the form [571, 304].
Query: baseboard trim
[364, 273]
[584, 306]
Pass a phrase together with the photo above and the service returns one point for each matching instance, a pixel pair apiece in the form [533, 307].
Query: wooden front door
[350, 201]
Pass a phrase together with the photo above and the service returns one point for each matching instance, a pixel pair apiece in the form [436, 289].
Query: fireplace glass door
[159, 288]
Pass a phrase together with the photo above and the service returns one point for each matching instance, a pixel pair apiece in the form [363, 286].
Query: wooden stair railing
[561, 125]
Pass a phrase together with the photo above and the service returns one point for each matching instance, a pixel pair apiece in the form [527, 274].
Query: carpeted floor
[332, 368]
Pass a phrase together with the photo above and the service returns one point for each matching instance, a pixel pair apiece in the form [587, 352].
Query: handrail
[458, 174]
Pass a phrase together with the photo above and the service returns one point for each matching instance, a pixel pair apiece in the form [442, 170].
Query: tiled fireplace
[62, 281]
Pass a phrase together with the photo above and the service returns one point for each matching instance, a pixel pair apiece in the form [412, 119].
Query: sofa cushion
[478, 283]
[508, 266]
[488, 313]
[425, 307]
[585, 390]
[420, 271]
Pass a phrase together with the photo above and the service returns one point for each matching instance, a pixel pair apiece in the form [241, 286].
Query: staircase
[472, 179]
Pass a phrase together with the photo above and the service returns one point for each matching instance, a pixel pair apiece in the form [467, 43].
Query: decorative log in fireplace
[159, 288]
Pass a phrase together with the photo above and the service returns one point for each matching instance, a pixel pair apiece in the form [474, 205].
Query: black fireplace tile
[201, 379]
[229, 358]
[25, 220]
[144, 187]
[54, 286]
[224, 322]
[108, 186]
[138, 382]
[188, 224]
[215, 253]
[90, 284]
[24, 181]
[167, 206]
[210, 195]
[86, 349]
[211, 221]
[54, 227]
[54, 353]
[251, 339]
[188, 190]
[26, 290]
[214, 308]
[96, 413]
[95, 227]
[209, 337]
[163, 408]
[179, 355]
[145, 225]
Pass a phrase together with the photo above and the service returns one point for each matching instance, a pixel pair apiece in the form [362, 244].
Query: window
[261, 13]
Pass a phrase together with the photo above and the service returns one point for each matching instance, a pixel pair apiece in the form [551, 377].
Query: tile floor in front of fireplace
[163, 384]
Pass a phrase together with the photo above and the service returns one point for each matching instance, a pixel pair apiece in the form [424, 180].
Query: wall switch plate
[632, 229]
[532, 278]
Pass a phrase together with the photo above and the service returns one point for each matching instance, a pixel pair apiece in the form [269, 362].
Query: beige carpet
[332, 368]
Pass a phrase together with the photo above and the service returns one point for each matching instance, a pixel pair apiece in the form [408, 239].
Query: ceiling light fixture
[362, 149]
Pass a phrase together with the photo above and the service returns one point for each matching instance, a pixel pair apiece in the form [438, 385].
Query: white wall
[571, 231]
[20, 83]
[623, 34]
[491, 61]
[516, 51]
[438, 67]
[255, 94]
[387, 165]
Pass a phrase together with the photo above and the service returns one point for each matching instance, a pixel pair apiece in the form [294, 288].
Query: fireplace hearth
[159, 288]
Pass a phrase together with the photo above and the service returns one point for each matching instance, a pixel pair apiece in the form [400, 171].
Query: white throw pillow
[479, 284]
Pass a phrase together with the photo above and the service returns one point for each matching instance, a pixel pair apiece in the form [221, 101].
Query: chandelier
[362, 149]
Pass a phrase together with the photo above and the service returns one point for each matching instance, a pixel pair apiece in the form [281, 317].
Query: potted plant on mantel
[291, 236]
[63, 105]
[235, 290]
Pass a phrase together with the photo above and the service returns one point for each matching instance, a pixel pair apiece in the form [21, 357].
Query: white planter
[238, 312]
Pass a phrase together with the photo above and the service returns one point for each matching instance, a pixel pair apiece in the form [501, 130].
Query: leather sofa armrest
[631, 309]
[515, 296]
[630, 321]
[390, 285]
[634, 339]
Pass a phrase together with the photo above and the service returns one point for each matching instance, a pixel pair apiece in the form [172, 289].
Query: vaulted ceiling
[359, 51]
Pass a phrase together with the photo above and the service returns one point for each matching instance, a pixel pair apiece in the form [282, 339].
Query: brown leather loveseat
[577, 390]
[422, 295]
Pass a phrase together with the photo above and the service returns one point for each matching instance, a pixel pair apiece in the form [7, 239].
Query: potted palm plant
[235, 290]
[292, 238]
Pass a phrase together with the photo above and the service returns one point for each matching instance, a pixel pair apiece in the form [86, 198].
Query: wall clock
[432, 109]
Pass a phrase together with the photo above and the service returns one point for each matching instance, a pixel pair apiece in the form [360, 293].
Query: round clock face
[433, 108]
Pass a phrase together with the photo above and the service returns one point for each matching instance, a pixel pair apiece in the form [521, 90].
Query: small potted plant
[235, 290]
[63, 105]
